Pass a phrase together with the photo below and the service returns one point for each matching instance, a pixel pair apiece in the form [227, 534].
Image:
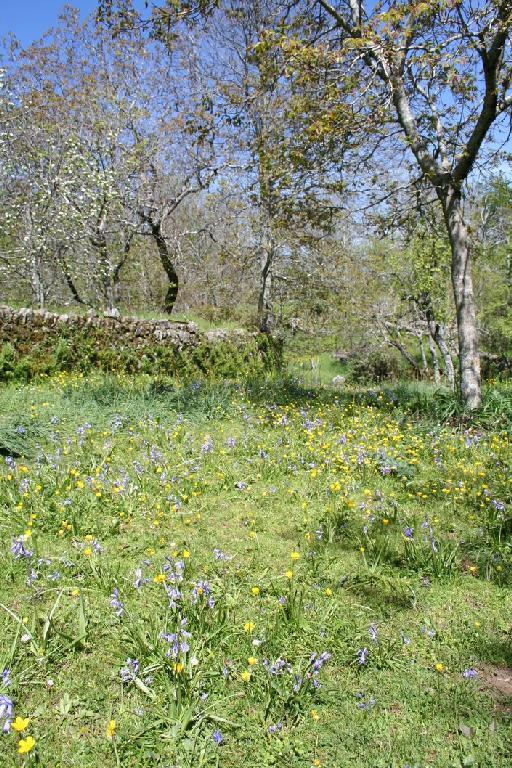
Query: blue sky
[28, 19]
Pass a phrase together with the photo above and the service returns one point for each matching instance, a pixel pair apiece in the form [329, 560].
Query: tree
[445, 71]
[434, 75]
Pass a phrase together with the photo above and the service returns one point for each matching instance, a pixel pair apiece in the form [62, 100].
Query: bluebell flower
[6, 712]
[207, 446]
[178, 640]
[202, 590]
[318, 660]
[19, 549]
[469, 673]
[116, 603]
[129, 672]
[362, 655]
[219, 555]
[217, 737]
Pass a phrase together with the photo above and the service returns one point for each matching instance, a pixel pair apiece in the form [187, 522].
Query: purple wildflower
[129, 672]
[6, 712]
[217, 737]
[318, 661]
[207, 446]
[116, 603]
[220, 555]
[202, 590]
[19, 549]
[469, 673]
[178, 641]
[362, 655]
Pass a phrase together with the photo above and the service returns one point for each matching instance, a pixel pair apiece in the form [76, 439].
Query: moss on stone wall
[36, 344]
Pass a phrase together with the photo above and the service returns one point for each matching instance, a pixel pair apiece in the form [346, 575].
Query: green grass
[402, 526]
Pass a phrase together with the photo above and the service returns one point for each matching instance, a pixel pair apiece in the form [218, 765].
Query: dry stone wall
[36, 342]
[32, 325]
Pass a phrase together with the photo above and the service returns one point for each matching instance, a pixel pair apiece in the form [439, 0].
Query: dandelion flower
[249, 627]
[246, 676]
[295, 555]
[111, 729]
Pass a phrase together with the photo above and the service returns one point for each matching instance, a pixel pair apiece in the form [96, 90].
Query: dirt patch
[497, 678]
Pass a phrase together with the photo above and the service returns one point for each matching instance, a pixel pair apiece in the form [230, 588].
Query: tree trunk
[72, 287]
[437, 334]
[469, 359]
[435, 361]
[265, 318]
[37, 281]
[393, 342]
[99, 241]
[165, 258]
[424, 364]
[440, 340]
[116, 274]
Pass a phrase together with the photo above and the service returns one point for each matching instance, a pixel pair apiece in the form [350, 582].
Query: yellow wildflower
[26, 745]
[20, 724]
[111, 729]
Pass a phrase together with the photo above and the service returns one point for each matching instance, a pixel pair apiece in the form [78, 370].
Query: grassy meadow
[257, 574]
